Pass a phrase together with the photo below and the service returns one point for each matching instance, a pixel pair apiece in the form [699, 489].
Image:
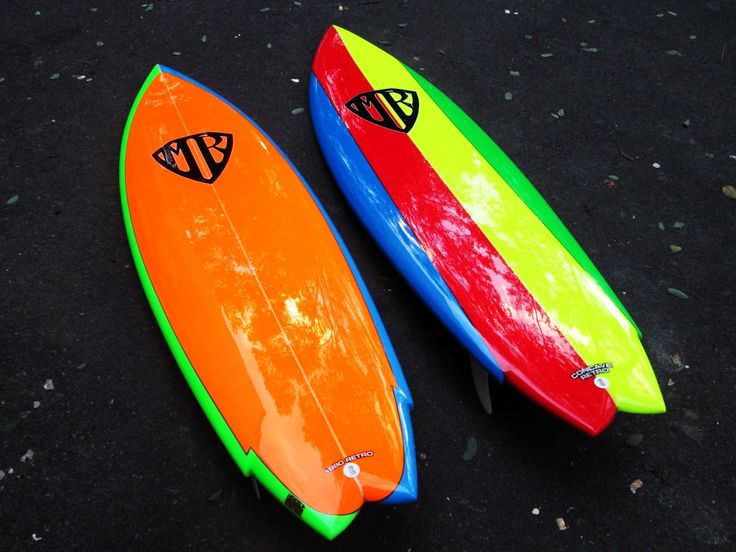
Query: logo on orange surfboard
[393, 108]
[201, 157]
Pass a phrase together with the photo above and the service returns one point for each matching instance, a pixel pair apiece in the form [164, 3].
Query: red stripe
[530, 349]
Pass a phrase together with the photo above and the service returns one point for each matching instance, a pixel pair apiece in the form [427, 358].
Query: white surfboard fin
[482, 386]
[256, 489]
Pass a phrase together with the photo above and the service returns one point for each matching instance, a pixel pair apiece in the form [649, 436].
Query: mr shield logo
[392, 108]
[201, 157]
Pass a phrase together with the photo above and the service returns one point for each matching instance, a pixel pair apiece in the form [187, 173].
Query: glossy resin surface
[475, 239]
[263, 307]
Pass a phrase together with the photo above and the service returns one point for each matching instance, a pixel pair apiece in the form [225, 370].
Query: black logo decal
[294, 504]
[392, 108]
[201, 157]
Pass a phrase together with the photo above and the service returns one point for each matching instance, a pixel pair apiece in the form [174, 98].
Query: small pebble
[2, 475]
[55, 76]
[203, 38]
[634, 440]
[99, 43]
[613, 177]
[36, 538]
[297, 111]
[670, 382]
[635, 485]
[514, 73]
[48, 385]
[535, 511]
[547, 55]
[709, 155]
[660, 225]
[672, 53]
[677, 224]
[36, 404]
[561, 525]
[12, 200]
[294, 80]
[268, 45]
[656, 165]
[508, 96]
[675, 248]
[177, 53]
[686, 123]
[28, 456]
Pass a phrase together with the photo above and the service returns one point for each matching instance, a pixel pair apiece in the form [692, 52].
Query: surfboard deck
[263, 307]
[475, 239]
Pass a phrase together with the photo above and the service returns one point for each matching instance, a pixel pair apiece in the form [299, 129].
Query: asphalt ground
[119, 456]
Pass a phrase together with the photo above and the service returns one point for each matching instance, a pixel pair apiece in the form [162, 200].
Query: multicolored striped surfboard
[263, 307]
[475, 239]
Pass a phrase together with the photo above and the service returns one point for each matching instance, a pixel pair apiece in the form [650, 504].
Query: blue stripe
[382, 218]
[406, 491]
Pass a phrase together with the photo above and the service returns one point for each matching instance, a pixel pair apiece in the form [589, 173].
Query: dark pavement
[122, 456]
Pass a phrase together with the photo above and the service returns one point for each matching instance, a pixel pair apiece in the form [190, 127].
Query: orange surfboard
[262, 306]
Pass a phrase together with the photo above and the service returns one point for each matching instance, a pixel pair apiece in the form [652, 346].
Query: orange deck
[263, 302]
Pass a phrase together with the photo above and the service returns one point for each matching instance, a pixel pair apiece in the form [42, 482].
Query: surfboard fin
[482, 385]
[256, 488]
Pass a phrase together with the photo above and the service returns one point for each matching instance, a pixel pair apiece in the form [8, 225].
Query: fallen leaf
[677, 293]
[729, 191]
[471, 449]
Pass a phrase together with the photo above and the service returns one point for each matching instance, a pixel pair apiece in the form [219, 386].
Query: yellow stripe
[570, 296]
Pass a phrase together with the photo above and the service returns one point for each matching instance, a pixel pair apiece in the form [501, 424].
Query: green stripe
[519, 183]
[249, 462]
